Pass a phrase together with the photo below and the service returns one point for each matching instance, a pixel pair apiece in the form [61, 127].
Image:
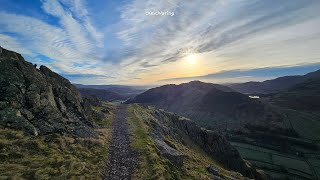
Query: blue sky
[119, 42]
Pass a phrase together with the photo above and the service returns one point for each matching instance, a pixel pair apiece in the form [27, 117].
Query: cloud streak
[71, 40]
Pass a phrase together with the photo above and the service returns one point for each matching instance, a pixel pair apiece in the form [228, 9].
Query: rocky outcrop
[39, 101]
[213, 143]
[175, 157]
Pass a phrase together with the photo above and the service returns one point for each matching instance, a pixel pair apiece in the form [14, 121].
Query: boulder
[213, 170]
[175, 157]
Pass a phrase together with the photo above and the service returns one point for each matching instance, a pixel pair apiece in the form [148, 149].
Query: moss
[107, 121]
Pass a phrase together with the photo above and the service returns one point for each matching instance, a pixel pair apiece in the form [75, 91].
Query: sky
[150, 42]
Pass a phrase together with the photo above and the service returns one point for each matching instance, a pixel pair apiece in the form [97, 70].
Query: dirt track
[122, 160]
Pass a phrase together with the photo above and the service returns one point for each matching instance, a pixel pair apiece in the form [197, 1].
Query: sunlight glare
[191, 59]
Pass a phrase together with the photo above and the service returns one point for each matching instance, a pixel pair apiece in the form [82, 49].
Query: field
[280, 165]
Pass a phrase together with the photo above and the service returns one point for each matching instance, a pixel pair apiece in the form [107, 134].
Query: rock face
[39, 101]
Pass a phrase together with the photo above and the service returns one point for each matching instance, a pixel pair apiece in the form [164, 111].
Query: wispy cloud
[203, 26]
[231, 34]
[73, 39]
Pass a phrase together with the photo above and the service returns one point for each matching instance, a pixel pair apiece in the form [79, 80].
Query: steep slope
[210, 105]
[274, 85]
[39, 101]
[102, 94]
[173, 147]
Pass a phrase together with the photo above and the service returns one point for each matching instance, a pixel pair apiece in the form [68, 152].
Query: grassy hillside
[55, 156]
[153, 165]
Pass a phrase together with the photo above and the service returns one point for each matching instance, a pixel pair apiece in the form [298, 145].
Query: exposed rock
[47, 102]
[168, 152]
[61, 106]
[211, 169]
[12, 118]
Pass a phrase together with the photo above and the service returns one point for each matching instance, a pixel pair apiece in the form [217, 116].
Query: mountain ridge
[209, 105]
[273, 85]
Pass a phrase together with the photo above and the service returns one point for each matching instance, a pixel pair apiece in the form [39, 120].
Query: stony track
[122, 159]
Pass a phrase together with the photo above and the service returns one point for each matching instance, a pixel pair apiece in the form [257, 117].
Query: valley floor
[286, 157]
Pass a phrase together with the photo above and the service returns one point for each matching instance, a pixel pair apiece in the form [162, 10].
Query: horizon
[138, 43]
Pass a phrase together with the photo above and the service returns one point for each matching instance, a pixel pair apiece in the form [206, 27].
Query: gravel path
[122, 160]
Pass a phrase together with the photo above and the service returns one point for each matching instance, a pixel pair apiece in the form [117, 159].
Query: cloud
[203, 26]
[236, 34]
[242, 75]
[73, 39]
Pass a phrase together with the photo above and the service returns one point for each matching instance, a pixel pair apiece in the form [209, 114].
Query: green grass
[307, 125]
[249, 153]
[277, 164]
[291, 163]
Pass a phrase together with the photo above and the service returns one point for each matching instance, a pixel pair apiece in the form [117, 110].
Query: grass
[54, 156]
[49, 157]
[292, 163]
[278, 164]
[307, 125]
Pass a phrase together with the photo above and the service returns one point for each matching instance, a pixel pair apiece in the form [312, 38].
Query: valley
[279, 132]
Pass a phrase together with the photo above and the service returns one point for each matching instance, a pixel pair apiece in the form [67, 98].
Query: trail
[122, 160]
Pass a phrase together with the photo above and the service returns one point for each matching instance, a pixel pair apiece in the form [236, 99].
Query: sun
[191, 59]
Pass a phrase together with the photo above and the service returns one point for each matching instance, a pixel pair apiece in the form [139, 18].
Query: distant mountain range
[102, 94]
[274, 85]
[210, 105]
[110, 92]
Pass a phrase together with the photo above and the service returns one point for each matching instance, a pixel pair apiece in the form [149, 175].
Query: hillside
[274, 85]
[211, 106]
[173, 147]
[304, 96]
